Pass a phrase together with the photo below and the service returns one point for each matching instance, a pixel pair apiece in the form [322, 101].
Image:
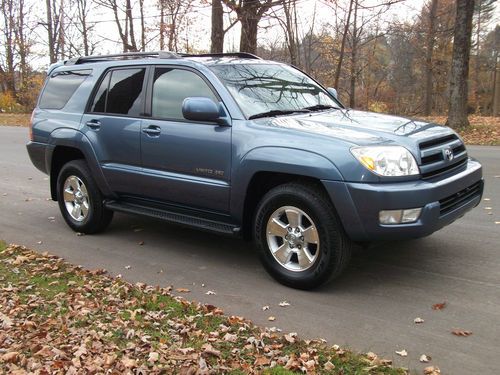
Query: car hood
[360, 127]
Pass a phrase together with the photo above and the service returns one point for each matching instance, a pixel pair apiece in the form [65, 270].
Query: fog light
[399, 216]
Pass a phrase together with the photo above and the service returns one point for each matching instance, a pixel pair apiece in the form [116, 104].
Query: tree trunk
[50, 33]
[496, 89]
[457, 109]
[249, 22]
[352, 97]
[476, 61]
[431, 35]
[342, 46]
[143, 26]
[217, 34]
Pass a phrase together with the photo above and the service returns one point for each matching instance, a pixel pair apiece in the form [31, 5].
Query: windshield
[272, 88]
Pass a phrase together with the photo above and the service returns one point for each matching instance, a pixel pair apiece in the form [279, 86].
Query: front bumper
[358, 204]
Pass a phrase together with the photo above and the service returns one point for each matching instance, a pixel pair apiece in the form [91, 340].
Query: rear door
[185, 162]
[113, 124]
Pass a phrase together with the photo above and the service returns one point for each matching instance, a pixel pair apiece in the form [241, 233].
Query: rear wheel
[300, 239]
[80, 200]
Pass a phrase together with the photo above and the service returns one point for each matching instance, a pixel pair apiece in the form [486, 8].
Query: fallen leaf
[402, 353]
[182, 290]
[262, 361]
[418, 320]
[439, 306]
[284, 304]
[432, 370]
[486, 199]
[141, 243]
[4, 319]
[497, 222]
[210, 293]
[291, 337]
[128, 267]
[371, 356]
[128, 362]
[264, 308]
[424, 358]
[461, 332]
[271, 318]
[10, 357]
[153, 357]
[329, 366]
[488, 208]
[230, 337]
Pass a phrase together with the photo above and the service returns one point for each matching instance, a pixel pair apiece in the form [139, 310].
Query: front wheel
[80, 200]
[301, 241]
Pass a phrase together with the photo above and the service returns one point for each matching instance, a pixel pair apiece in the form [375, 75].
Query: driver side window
[171, 86]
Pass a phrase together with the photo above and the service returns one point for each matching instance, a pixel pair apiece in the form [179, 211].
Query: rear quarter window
[60, 88]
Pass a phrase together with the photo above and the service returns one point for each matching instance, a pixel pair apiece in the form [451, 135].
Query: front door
[184, 162]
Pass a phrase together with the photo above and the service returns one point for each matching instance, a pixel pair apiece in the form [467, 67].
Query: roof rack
[158, 54]
[241, 55]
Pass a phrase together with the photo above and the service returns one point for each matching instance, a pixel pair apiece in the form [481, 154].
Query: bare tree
[173, 17]
[124, 20]
[217, 31]
[249, 13]
[8, 31]
[457, 112]
[431, 39]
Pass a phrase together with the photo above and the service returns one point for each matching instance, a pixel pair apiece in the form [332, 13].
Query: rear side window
[60, 88]
[120, 92]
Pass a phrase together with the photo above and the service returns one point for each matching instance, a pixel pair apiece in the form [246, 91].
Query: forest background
[392, 56]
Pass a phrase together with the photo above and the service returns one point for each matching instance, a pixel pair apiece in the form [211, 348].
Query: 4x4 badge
[448, 154]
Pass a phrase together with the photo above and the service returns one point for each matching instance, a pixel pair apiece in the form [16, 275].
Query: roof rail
[241, 55]
[158, 54]
[122, 56]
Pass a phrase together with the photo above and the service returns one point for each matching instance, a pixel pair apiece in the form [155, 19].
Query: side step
[174, 217]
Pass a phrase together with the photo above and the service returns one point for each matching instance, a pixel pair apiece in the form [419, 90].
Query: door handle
[152, 131]
[93, 124]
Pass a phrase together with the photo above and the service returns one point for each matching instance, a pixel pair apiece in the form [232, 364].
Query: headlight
[387, 160]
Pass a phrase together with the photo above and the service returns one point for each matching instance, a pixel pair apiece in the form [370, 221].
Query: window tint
[171, 87]
[120, 92]
[60, 88]
[99, 104]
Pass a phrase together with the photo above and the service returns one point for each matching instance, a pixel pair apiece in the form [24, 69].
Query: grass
[483, 130]
[58, 318]
[15, 119]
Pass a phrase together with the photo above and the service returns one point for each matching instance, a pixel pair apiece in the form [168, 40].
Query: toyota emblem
[448, 154]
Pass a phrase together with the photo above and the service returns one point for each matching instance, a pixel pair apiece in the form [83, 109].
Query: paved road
[371, 308]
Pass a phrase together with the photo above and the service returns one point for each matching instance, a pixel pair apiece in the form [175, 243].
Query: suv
[237, 145]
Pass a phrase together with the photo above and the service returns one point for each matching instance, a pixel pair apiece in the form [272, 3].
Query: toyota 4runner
[238, 145]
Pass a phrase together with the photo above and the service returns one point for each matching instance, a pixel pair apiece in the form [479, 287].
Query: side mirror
[203, 109]
[333, 92]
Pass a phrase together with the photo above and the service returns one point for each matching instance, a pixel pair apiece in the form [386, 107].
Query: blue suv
[237, 145]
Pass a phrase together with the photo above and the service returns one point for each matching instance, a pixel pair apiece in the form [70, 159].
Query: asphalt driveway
[371, 308]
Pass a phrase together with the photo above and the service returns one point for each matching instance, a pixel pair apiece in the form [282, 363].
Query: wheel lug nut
[299, 247]
[297, 230]
[289, 229]
[302, 238]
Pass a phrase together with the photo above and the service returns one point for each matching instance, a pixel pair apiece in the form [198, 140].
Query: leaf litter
[57, 318]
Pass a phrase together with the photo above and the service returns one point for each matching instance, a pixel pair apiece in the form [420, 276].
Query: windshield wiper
[320, 107]
[278, 112]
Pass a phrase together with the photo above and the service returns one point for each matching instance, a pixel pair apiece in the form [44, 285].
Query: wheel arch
[67, 145]
[267, 167]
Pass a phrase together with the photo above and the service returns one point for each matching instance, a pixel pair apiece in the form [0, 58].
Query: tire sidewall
[325, 223]
[75, 169]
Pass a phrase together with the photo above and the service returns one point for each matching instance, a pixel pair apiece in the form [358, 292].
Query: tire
[80, 200]
[299, 236]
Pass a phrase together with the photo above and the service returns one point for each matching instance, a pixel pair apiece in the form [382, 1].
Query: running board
[174, 217]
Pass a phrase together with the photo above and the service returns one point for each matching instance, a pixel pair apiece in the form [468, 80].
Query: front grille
[432, 156]
[456, 200]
